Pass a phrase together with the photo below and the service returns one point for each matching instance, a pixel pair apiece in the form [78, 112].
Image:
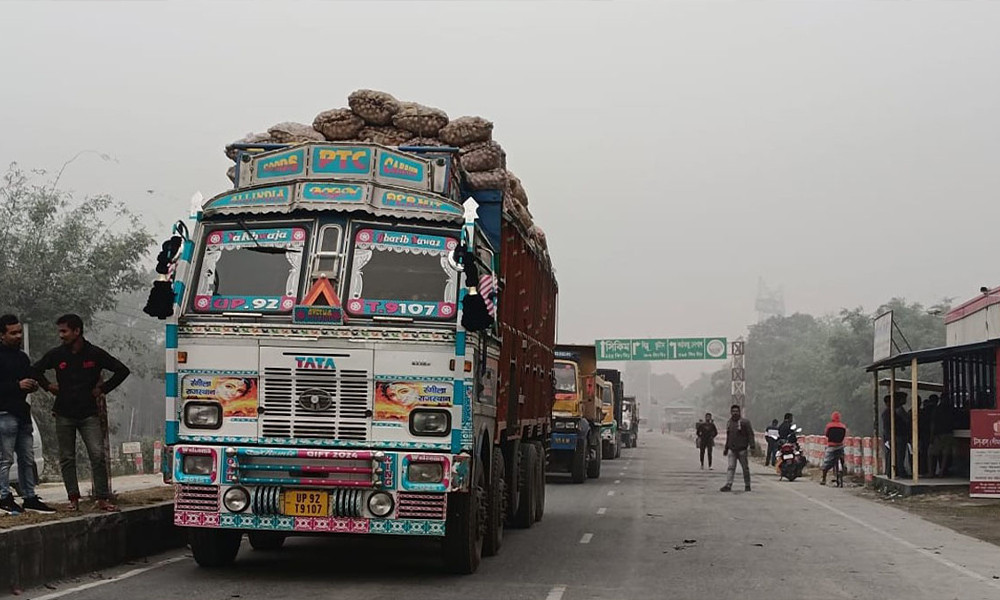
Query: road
[653, 526]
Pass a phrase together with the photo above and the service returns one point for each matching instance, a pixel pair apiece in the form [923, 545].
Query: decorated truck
[630, 422]
[611, 414]
[576, 415]
[356, 344]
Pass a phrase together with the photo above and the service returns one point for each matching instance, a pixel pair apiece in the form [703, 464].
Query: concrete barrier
[31, 555]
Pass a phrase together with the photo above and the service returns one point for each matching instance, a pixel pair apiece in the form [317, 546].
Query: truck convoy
[353, 348]
[576, 415]
[611, 414]
[630, 422]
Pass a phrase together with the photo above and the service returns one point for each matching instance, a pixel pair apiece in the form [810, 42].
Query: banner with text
[708, 348]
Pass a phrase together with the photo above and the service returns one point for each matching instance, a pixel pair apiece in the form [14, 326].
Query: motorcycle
[791, 461]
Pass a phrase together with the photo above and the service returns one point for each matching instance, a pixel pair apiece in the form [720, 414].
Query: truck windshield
[565, 374]
[402, 274]
[253, 270]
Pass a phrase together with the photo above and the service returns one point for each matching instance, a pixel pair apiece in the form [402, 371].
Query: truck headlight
[430, 422]
[566, 425]
[425, 472]
[380, 504]
[559, 425]
[236, 499]
[203, 415]
[195, 464]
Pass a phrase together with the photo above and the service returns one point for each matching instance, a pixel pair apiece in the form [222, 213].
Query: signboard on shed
[131, 448]
[882, 348]
[984, 454]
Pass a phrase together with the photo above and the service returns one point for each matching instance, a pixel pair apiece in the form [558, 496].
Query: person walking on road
[706, 432]
[739, 442]
[78, 365]
[771, 435]
[16, 436]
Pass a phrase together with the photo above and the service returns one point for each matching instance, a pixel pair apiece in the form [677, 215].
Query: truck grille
[422, 506]
[203, 498]
[347, 417]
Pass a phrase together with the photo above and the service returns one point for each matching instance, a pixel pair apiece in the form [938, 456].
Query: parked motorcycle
[791, 460]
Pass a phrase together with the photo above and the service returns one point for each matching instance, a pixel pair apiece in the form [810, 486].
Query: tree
[58, 255]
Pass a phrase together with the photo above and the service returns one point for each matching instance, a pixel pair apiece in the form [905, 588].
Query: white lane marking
[602, 510]
[626, 467]
[125, 575]
[611, 493]
[556, 593]
[939, 559]
[618, 480]
[586, 538]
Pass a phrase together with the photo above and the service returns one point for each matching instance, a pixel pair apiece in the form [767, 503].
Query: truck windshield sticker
[237, 395]
[250, 270]
[403, 274]
[565, 374]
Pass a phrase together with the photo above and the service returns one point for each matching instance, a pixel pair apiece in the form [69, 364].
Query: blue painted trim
[460, 346]
[178, 292]
[171, 434]
[188, 250]
[171, 336]
[171, 383]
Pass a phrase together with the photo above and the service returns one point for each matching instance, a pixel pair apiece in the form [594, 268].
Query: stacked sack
[378, 117]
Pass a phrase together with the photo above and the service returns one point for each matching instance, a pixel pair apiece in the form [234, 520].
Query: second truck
[575, 444]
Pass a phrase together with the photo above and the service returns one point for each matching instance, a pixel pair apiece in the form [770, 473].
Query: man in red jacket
[836, 433]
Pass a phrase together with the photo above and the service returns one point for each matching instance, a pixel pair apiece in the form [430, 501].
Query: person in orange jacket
[836, 433]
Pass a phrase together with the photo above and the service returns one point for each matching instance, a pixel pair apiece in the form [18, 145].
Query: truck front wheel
[594, 468]
[540, 479]
[464, 528]
[214, 548]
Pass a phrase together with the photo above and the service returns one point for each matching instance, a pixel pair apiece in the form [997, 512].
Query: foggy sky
[673, 151]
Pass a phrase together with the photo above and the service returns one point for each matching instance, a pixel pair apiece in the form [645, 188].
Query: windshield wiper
[257, 246]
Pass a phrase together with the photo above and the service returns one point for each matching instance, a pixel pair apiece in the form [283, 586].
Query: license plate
[306, 503]
[789, 456]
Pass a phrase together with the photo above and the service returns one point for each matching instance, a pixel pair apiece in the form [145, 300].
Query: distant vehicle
[39, 461]
[611, 415]
[630, 422]
[576, 415]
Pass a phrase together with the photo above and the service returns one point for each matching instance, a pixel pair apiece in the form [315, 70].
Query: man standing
[772, 434]
[16, 382]
[706, 433]
[78, 365]
[836, 433]
[739, 441]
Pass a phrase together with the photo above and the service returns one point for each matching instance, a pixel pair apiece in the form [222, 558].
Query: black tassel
[475, 315]
[161, 300]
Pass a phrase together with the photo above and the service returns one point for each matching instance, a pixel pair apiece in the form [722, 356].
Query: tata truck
[359, 344]
[575, 444]
[630, 422]
[611, 414]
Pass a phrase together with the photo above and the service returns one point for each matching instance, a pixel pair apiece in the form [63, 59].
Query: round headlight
[236, 499]
[380, 504]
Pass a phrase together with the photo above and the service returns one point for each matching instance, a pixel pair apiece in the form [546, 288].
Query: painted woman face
[230, 388]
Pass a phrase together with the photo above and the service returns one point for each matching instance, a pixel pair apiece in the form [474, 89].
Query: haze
[673, 151]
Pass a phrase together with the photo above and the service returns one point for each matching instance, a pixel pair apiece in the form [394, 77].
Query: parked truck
[576, 415]
[630, 422]
[330, 369]
[611, 414]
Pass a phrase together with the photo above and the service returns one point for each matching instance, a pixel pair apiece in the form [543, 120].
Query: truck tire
[525, 515]
[515, 482]
[496, 509]
[578, 468]
[465, 526]
[594, 467]
[266, 540]
[618, 447]
[540, 480]
[213, 548]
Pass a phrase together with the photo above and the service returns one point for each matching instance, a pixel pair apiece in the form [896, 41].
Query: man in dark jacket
[78, 365]
[16, 382]
[739, 441]
[706, 432]
[785, 429]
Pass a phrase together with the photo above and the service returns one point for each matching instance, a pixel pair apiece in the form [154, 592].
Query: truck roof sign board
[705, 348]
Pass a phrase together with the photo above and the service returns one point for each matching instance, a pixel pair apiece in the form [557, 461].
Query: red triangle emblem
[323, 288]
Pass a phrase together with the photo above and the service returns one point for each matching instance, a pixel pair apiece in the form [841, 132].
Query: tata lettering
[314, 362]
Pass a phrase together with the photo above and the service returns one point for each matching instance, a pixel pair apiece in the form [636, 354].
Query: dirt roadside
[124, 500]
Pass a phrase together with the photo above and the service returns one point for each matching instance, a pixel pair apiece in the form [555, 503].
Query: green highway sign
[710, 348]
